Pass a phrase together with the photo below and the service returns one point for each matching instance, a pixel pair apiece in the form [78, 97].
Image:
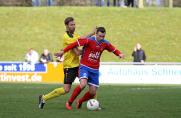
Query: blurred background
[176, 3]
[149, 90]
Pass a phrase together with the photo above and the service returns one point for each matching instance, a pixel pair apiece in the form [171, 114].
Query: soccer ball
[92, 104]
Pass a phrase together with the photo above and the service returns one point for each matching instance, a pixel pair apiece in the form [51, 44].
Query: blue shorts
[91, 74]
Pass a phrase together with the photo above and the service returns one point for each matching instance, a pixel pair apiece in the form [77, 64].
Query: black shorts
[70, 74]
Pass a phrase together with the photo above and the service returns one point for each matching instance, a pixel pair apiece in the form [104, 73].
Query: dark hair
[101, 29]
[68, 19]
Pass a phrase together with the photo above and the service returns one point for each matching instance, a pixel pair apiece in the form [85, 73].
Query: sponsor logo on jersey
[94, 55]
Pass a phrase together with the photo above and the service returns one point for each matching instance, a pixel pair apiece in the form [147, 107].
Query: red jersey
[92, 50]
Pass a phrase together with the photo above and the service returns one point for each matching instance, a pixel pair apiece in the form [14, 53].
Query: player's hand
[59, 54]
[121, 56]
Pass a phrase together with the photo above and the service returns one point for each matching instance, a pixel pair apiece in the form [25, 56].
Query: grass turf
[157, 29]
[119, 101]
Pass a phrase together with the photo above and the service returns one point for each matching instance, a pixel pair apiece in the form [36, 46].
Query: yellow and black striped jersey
[71, 60]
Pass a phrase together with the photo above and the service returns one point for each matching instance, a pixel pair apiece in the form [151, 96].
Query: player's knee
[67, 90]
[82, 86]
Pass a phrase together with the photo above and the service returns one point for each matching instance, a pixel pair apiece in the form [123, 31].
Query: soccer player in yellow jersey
[71, 64]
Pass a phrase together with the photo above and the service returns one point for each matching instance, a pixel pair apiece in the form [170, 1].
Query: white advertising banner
[140, 74]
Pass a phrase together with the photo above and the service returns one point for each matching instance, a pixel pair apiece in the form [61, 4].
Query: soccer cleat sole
[41, 102]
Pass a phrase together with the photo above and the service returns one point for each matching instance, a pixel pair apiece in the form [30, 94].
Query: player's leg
[60, 91]
[83, 75]
[69, 76]
[88, 95]
[55, 93]
[93, 82]
[77, 91]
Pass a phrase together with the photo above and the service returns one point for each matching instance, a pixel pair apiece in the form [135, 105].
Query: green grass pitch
[119, 101]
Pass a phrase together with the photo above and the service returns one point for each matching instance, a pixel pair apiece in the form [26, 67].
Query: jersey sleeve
[79, 42]
[111, 48]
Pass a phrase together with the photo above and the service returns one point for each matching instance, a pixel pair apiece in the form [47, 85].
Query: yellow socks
[55, 93]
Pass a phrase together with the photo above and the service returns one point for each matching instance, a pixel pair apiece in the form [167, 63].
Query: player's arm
[66, 41]
[77, 51]
[117, 52]
[79, 42]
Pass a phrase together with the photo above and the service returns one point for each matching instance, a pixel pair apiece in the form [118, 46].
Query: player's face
[71, 27]
[100, 36]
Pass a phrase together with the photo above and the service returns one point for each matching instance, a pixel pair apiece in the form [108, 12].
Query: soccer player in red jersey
[89, 64]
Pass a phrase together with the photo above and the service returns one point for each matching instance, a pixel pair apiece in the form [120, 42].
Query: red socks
[75, 93]
[86, 97]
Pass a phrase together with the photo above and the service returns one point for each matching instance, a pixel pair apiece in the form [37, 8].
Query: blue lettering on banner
[22, 67]
[125, 72]
[165, 71]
